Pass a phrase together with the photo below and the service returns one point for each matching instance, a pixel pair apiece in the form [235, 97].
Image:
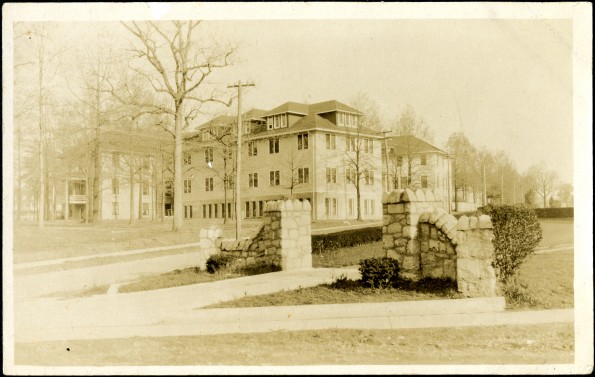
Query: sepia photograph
[297, 188]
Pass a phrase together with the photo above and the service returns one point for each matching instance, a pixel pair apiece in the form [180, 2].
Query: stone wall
[429, 242]
[284, 240]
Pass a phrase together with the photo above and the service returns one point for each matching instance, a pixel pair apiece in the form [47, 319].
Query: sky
[506, 83]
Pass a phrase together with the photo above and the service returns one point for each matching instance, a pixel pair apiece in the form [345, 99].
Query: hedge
[554, 213]
[346, 238]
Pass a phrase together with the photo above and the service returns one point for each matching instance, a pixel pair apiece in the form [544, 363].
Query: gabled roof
[316, 122]
[330, 106]
[288, 107]
[405, 144]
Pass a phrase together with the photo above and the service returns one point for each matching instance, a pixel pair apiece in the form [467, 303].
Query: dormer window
[277, 121]
[346, 120]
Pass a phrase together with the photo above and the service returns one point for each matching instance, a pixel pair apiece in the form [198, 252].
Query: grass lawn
[497, 345]
[556, 231]
[547, 278]
[65, 239]
[347, 256]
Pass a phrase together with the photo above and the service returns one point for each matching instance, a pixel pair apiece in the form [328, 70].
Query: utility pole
[485, 194]
[501, 186]
[386, 154]
[239, 85]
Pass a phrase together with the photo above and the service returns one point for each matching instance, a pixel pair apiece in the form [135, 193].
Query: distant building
[305, 151]
[414, 163]
[135, 178]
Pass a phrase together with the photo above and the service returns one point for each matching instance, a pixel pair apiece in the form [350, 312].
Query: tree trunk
[178, 173]
[140, 190]
[131, 190]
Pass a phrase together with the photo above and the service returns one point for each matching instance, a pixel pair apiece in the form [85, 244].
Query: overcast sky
[507, 84]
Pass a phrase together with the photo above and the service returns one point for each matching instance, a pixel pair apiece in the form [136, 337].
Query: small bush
[519, 297]
[258, 268]
[381, 272]
[218, 262]
[516, 234]
[347, 238]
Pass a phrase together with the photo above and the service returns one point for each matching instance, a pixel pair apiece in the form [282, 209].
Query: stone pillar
[287, 233]
[475, 254]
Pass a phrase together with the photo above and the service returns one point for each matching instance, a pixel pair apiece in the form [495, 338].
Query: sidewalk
[177, 311]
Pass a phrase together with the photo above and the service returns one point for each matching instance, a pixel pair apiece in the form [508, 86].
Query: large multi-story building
[415, 163]
[134, 180]
[319, 152]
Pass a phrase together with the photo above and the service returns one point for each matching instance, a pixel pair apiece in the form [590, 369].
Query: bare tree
[409, 123]
[296, 176]
[359, 161]
[543, 181]
[42, 64]
[180, 67]
[371, 115]
[565, 193]
[461, 151]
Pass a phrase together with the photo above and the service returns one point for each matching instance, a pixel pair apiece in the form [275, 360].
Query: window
[399, 161]
[351, 205]
[209, 184]
[115, 209]
[208, 155]
[274, 178]
[423, 159]
[369, 177]
[368, 145]
[115, 186]
[187, 159]
[247, 210]
[204, 211]
[350, 144]
[261, 208]
[269, 123]
[330, 206]
[404, 182]
[145, 188]
[188, 212]
[274, 145]
[303, 175]
[229, 181]
[253, 180]
[424, 181]
[252, 149]
[187, 186]
[350, 175]
[371, 145]
[330, 141]
[331, 175]
[302, 141]
[366, 206]
[216, 208]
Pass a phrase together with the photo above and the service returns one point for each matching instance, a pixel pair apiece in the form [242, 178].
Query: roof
[288, 107]
[330, 106]
[404, 144]
[316, 122]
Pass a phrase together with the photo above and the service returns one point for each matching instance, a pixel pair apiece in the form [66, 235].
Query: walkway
[177, 311]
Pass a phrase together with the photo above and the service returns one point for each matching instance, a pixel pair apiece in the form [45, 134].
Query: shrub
[516, 234]
[347, 238]
[381, 272]
[519, 297]
[554, 213]
[258, 268]
[217, 262]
